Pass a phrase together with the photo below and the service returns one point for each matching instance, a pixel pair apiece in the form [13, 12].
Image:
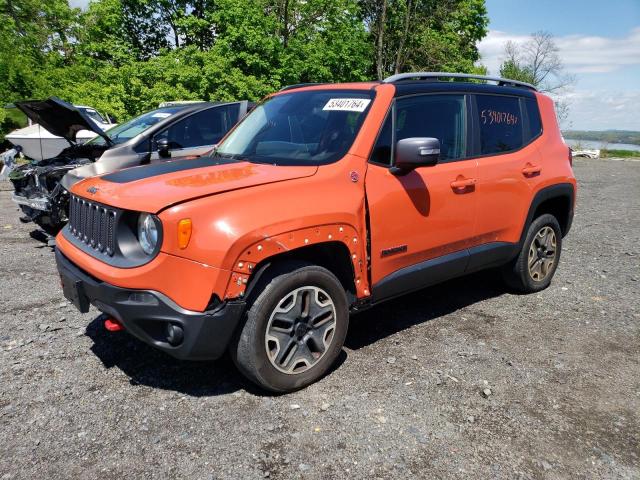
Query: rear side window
[501, 123]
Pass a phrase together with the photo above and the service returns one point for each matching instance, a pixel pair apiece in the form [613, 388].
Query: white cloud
[603, 109]
[579, 53]
[588, 57]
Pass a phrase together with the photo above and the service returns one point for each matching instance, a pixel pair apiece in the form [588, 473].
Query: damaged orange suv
[324, 200]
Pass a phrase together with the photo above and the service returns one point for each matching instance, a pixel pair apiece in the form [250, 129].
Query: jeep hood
[152, 188]
[60, 118]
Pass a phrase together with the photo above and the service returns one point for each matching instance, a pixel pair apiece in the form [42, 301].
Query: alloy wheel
[300, 329]
[542, 254]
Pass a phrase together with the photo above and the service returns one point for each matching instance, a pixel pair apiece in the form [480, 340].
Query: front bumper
[146, 314]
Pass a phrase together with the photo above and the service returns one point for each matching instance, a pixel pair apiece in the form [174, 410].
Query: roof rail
[437, 75]
[298, 85]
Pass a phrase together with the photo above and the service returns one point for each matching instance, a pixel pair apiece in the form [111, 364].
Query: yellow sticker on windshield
[347, 104]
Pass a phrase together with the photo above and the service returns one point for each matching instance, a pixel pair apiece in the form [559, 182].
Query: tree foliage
[425, 35]
[538, 62]
[126, 56]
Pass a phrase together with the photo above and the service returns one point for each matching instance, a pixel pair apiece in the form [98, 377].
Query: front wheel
[295, 327]
[538, 259]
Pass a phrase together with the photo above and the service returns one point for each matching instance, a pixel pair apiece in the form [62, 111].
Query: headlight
[147, 233]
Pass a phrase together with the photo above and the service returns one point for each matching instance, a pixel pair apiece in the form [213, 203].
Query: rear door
[509, 164]
[425, 214]
[198, 133]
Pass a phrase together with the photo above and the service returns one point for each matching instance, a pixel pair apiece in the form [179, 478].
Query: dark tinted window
[533, 114]
[382, 150]
[436, 116]
[500, 123]
[299, 128]
[203, 128]
[126, 131]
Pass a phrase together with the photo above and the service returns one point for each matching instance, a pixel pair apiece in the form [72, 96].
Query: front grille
[93, 224]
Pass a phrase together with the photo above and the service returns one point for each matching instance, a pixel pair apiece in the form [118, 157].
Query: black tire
[249, 348]
[517, 274]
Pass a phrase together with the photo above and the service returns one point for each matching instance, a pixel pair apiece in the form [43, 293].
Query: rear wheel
[538, 259]
[295, 327]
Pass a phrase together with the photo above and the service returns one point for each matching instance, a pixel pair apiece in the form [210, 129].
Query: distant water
[591, 145]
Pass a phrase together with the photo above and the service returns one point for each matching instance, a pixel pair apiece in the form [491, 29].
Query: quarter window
[535, 123]
[382, 150]
[500, 122]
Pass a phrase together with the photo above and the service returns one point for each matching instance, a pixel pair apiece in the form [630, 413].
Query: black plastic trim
[146, 313]
[441, 269]
[559, 190]
[420, 275]
[418, 87]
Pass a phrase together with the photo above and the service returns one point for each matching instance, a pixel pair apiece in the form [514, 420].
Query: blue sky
[599, 43]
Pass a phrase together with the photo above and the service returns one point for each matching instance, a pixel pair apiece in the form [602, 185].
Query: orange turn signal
[184, 232]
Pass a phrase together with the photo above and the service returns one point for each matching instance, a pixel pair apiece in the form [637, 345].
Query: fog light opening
[175, 334]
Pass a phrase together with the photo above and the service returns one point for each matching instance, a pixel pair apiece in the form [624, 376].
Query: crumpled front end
[38, 192]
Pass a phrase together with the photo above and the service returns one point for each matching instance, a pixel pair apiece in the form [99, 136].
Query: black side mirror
[415, 152]
[163, 148]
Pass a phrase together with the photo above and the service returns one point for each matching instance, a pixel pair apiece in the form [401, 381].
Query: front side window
[500, 123]
[435, 116]
[299, 128]
[126, 131]
[201, 129]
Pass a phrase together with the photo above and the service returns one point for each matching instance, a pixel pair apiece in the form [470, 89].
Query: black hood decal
[60, 118]
[146, 171]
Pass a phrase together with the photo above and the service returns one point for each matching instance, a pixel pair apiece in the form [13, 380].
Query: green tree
[414, 35]
[537, 61]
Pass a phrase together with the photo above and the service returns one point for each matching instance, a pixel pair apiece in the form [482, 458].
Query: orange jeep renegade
[324, 200]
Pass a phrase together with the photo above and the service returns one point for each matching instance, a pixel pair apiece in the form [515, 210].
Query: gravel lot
[562, 369]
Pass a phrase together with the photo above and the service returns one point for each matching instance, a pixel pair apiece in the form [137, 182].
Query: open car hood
[60, 118]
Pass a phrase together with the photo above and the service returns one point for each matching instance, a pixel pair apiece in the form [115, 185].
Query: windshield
[93, 115]
[304, 128]
[126, 131]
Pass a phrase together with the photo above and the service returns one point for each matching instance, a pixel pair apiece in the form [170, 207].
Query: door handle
[463, 183]
[531, 170]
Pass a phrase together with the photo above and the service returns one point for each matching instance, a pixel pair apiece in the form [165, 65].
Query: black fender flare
[560, 190]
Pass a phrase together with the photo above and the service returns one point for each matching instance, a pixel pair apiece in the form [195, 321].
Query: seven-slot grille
[93, 224]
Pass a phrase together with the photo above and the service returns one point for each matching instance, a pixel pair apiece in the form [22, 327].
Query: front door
[425, 218]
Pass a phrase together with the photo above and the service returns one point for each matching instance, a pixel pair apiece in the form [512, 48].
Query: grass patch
[605, 153]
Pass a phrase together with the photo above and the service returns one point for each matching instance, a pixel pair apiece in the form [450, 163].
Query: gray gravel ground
[562, 369]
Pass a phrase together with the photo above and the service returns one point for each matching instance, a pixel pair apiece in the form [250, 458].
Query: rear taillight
[570, 156]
